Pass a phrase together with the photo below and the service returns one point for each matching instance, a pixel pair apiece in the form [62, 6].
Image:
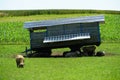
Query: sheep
[89, 50]
[100, 53]
[20, 61]
[71, 54]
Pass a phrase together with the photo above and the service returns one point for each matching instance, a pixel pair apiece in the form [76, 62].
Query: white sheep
[20, 61]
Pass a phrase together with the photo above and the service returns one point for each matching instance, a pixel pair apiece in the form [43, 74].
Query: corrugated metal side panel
[71, 28]
[38, 24]
[70, 37]
[37, 39]
[92, 29]
[63, 29]
[55, 30]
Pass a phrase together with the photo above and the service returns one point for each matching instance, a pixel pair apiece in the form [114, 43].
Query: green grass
[8, 51]
[80, 68]
[12, 31]
[110, 30]
[40, 17]
[92, 68]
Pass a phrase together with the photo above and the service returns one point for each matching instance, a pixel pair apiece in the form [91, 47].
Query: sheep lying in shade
[71, 54]
[20, 61]
[100, 53]
[89, 50]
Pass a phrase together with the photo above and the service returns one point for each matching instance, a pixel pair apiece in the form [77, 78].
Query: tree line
[53, 11]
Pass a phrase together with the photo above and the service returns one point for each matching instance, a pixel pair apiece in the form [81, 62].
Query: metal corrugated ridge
[33, 24]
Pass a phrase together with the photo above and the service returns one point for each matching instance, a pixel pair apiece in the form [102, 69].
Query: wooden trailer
[69, 32]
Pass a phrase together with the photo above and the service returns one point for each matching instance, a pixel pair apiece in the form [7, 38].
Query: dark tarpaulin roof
[46, 23]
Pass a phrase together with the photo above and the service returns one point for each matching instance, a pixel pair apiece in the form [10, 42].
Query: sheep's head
[21, 65]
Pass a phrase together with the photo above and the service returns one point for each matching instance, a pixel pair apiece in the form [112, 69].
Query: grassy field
[8, 51]
[80, 68]
[14, 38]
[92, 68]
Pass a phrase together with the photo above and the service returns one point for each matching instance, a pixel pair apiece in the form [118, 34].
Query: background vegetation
[12, 31]
[41, 12]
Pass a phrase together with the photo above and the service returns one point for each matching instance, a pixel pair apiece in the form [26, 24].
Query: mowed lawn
[80, 68]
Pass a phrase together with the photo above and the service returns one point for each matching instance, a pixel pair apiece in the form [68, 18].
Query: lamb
[20, 61]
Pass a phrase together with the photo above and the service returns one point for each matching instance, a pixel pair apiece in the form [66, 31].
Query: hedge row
[41, 12]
